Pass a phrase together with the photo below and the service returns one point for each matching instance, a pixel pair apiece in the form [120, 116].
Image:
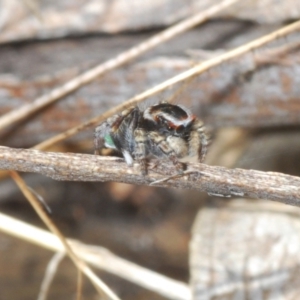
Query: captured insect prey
[162, 131]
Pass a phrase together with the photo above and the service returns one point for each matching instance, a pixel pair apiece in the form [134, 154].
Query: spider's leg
[122, 134]
[98, 144]
[128, 158]
[140, 138]
[161, 147]
[102, 136]
[99, 137]
[198, 137]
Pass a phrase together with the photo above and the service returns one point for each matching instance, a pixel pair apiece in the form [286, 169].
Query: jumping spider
[163, 130]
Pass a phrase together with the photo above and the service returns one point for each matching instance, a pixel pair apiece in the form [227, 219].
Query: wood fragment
[243, 247]
[260, 90]
[60, 19]
[27, 110]
[100, 258]
[99, 285]
[182, 77]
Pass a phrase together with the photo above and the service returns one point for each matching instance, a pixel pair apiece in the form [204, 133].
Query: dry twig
[99, 257]
[214, 180]
[28, 109]
[100, 286]
[50, 274]
[196, 70]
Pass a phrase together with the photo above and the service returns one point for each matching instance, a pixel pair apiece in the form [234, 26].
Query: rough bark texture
[248, 92]
[245, 250]
[218, 181]
[44, 20]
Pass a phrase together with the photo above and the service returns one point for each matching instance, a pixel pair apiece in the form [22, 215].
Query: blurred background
[224, 248]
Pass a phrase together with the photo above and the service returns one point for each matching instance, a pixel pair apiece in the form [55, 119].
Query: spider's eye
[165, 123]
[162, 120]
[179, 129]
[168, 124]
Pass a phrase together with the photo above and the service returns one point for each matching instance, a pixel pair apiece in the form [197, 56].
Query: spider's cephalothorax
[163, 130]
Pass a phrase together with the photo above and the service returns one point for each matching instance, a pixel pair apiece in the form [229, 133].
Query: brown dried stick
[101, 287]
[26, 110]
[215, 180]
[198, 69]
[100, 258]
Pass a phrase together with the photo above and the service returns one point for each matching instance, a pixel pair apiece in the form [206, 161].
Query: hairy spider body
[163, 130]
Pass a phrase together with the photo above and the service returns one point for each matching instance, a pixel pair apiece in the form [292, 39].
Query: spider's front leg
[140, 153]
[102, 135]
[161, 147]
[199, 141]
[99, 137]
